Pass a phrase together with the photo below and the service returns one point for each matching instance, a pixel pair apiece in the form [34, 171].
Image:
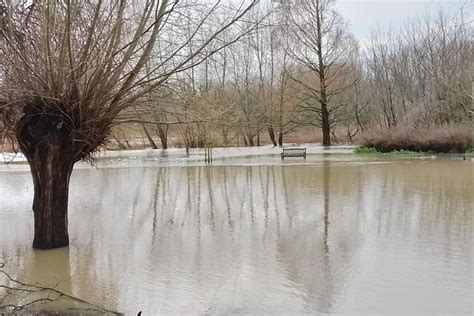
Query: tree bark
[163, 134]
[48, 147]
[271, 133]
[225, 137]
[164, 142]
[150, 139]
[250, 140]
[280, 139]
[325, 125]
[51, 174]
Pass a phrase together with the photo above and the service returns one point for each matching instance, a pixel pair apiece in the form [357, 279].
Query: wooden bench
[293, 152]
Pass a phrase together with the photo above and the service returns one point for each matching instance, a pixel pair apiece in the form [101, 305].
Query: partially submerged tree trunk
[150, 139]
[271, 133]
[163, 134]
[325, 125]
[250, 140]
[47, 143]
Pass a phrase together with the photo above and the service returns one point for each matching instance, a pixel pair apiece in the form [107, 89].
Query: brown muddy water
[335, 234]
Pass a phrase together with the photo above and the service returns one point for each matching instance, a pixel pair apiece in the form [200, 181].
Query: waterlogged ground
[336, 233]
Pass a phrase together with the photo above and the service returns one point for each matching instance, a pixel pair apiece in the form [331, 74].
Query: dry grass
[304, 136]
[6, 146]
[440, 139]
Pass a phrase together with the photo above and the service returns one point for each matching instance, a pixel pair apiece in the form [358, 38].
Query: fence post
[208, 154]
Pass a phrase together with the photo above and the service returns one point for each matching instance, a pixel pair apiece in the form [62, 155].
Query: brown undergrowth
[457, 138]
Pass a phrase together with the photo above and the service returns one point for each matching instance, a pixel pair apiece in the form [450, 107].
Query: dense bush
[439, 139]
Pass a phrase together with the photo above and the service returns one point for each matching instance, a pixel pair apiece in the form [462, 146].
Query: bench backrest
[301, 150]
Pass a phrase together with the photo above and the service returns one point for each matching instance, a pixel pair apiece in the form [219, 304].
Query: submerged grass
[362, 150]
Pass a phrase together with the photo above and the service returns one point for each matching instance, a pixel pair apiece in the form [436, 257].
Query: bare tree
[71, 70]
[422, 76]
[323, 47]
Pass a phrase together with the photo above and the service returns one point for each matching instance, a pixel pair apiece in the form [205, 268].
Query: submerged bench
[293, 152]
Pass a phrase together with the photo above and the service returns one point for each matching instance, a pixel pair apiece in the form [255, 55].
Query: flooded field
[333, 234]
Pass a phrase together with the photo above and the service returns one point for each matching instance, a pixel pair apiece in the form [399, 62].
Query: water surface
[334, 234]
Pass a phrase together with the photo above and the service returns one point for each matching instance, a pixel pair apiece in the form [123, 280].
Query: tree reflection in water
[316, 237]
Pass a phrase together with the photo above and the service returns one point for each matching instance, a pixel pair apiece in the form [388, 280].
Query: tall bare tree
[323, 47]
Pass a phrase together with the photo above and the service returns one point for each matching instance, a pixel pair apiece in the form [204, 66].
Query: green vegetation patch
[362, 150]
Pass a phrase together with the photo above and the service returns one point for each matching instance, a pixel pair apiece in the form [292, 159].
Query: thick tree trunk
[250, 140]
[164, 142]
[271, 133]
[48, 147]
[51, 174]
[163, 134]
[280, 139]
[325, 125]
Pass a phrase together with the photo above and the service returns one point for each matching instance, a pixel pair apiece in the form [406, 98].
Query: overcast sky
[362, 15]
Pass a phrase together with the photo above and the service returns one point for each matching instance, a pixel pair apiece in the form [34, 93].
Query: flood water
[335, 234]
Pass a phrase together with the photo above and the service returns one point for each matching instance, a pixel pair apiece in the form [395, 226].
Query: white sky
[364, 15]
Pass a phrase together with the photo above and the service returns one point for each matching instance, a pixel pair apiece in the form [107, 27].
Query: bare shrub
[456, 138]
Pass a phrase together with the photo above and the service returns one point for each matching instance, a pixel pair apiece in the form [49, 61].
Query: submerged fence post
[208, 154]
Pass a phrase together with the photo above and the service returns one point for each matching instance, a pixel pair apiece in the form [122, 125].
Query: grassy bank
[439, 139]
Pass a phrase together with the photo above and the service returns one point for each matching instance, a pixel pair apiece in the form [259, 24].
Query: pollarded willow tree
[70, 70]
